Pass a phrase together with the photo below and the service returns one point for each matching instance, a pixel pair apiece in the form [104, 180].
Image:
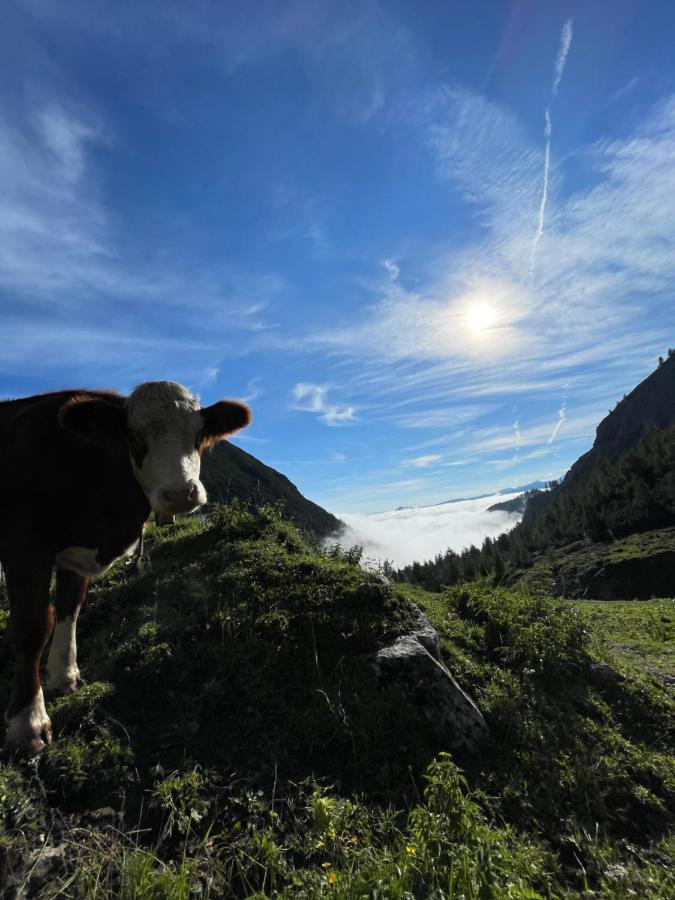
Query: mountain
[515, 504]
[531, 486]
[650, 404]
[625, 482]
[607, 530]
[229, 472]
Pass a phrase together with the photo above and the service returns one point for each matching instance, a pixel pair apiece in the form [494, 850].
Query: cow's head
[166, 430]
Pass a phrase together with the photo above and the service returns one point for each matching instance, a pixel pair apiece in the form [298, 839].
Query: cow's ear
[95, 419]
[223, 418]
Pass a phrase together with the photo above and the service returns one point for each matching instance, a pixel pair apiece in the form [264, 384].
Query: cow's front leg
[63, 674]
[28, 725]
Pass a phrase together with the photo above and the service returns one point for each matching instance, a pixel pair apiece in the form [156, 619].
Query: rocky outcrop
[651, 403]
[412, 664]
[638, 578]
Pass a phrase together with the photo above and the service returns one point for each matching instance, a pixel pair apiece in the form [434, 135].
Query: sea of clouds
[418, 533]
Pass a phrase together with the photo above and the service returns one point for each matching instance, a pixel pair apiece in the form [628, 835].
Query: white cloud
[418, 533]
[604, 259]
[562, 417]
[312, 398]
[392, 268]
[253, 390]
[423, 462]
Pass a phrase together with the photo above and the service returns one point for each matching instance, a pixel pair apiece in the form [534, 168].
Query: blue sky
[432, 243]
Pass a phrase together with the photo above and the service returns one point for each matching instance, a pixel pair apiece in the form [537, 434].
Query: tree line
[613, 499]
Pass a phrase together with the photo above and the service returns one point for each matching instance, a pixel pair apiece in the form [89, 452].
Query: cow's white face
[166, 431]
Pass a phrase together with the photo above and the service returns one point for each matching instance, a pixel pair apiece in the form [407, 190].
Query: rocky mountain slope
[650, 404]
[623, 486]
[228, 472]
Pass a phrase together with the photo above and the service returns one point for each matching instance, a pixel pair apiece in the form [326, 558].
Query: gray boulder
[412, 663]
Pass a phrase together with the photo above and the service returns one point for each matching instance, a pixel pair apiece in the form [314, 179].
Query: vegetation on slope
[639, 566]
[229, 473]
[615, 500]
[232, 741]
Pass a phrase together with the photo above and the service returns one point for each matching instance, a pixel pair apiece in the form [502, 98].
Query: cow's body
[80, 472]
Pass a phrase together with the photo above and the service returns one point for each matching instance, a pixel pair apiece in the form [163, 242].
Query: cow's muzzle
[184, 499]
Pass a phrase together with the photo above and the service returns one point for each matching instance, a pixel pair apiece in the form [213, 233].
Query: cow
[80, 473]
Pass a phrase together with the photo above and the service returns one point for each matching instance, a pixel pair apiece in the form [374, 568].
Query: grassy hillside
[229, 473]
[639, 566]
[641, 634]
[232, 741]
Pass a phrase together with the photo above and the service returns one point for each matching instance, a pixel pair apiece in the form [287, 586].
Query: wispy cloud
[63, 260]
[605, 247]
[253, 389]
[392, 268]
[313, 398]
[562, 416]
[561, 58]
[558, 69]
[544, 191]
[423, 462]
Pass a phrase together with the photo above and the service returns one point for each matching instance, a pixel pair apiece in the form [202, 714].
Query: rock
[413, 663]
[46, 862]
[103, 815]
[604, 675]
[376, 589]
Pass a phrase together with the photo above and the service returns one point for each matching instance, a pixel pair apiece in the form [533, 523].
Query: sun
[480, 317]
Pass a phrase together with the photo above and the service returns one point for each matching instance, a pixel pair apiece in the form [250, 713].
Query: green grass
[639, 565]
[641, 631]
[232, 722]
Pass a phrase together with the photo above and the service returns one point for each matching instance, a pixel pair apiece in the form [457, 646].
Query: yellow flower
[319, 844]
[332, 877]
[353, 840]
[325, 865]
[410, 850]
[331, 834]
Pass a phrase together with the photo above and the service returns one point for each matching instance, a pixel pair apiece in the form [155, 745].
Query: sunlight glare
[481, 316]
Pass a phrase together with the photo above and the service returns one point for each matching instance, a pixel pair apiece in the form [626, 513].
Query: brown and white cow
[80, 472]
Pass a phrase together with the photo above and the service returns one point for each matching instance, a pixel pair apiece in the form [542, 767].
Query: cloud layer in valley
[404, 536]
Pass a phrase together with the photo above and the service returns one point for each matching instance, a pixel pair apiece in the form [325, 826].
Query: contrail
[561, 58]
[558, 69]
[562, 415]
[544, 193]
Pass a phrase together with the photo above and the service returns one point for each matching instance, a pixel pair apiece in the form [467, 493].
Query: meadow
[231, 741]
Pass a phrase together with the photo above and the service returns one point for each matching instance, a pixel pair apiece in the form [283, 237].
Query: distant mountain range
[524, 488]
[229, 472]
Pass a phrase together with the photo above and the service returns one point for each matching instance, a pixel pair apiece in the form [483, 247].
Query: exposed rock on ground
[412, 662]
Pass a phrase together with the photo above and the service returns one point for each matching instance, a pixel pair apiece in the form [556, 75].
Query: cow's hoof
[30, 730]
[63, 688]
[30, 744]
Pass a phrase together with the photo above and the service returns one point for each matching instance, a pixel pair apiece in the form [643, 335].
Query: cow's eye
[138, 446]
[199, 437]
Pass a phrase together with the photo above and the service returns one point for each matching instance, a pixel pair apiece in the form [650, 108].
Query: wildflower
[325, 865]
[319, 844]
[353, 840]
[332, 877]
[411, 851]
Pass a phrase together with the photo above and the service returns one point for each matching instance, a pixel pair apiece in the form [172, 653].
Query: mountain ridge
[228, 472]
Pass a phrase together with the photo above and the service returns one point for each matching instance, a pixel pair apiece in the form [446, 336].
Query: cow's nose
[180, 496]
